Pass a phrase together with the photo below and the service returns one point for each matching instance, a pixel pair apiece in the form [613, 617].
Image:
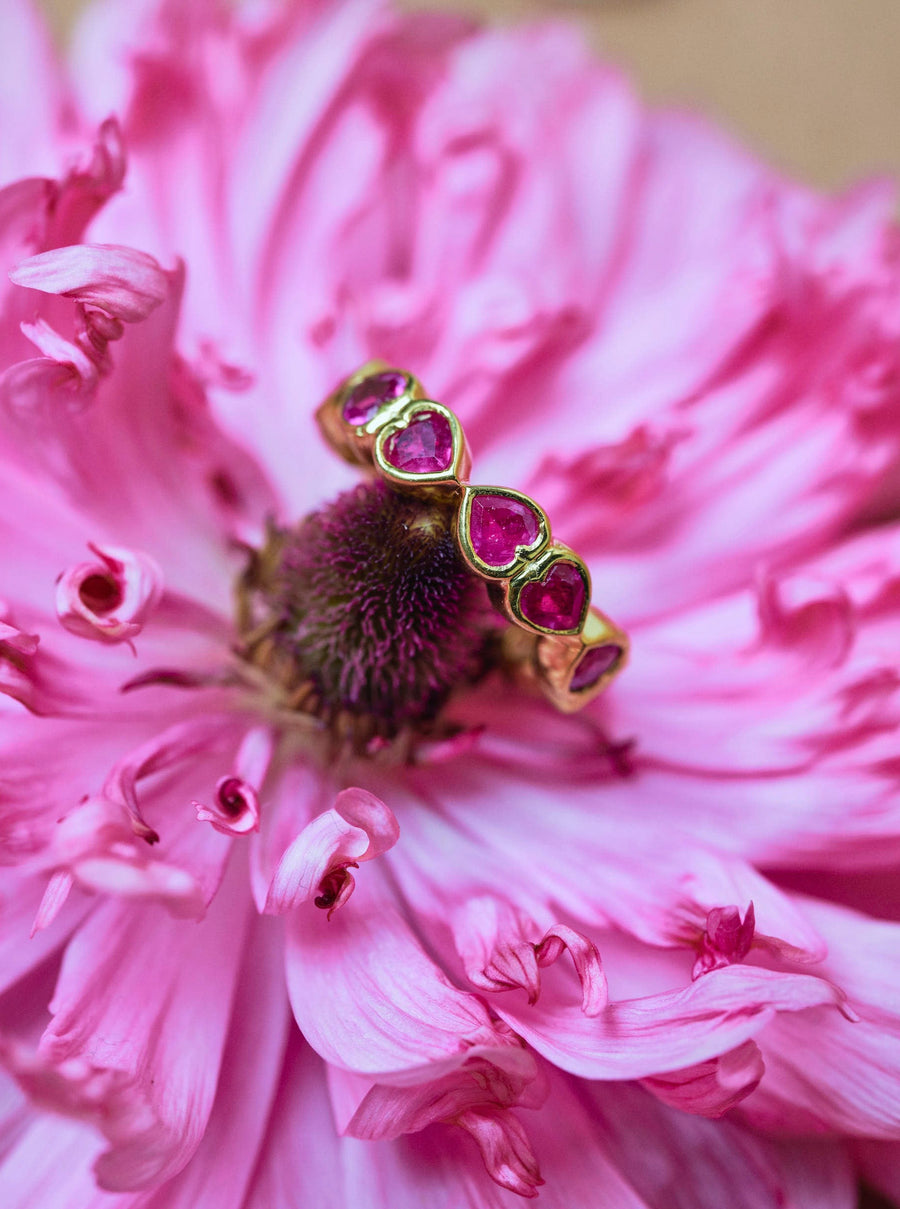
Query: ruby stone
[372, 392]
[555, 602]
[498, 525]
[424, 446]
[595, 662]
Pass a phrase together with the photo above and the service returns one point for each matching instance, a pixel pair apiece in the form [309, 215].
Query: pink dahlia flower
[306, 900]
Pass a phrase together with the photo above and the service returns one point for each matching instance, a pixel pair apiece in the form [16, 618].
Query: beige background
[814, 84]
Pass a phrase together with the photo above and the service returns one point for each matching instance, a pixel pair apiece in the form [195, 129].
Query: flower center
[365, 616]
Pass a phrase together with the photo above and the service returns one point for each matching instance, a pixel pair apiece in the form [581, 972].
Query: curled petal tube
[235, 808]
[317, 864]
[109, 599]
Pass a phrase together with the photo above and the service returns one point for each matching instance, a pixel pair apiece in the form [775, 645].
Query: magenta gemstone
[371, 393]
[424, 446]
[595, 663]
[498, 525]
[557, 601]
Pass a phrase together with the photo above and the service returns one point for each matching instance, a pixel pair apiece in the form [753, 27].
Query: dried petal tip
[727, 939]
[109, 600]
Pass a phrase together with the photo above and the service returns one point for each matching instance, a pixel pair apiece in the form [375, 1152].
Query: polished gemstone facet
[425, 446]
[367, 396]
[498, 525]
[595, 662]
[555, 602]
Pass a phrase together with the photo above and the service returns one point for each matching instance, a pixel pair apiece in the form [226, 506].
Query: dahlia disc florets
[364, 614]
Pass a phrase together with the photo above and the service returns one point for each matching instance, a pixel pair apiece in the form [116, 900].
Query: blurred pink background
[812, 84]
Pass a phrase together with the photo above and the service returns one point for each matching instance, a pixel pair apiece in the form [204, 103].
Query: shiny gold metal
[556, 661]
[441, 482]
[355, 443]
[571, 665]
[523, 554]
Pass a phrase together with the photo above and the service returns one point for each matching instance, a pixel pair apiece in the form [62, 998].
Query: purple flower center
[369, 614]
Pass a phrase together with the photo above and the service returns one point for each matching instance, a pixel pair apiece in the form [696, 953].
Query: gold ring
[380, 418]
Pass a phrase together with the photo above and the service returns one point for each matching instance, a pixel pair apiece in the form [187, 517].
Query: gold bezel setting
[355, 442]
[523, 552]
[538, 572]
[557, 661]
[571, 662]
[416, 412]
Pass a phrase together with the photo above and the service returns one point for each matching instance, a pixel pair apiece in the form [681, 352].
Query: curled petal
[109, 600]
[34, 388]
[179, 742]
[727, 939]
[710, 1088]
[810, 617]
[357, 828]
[125, 283]
[62, 353]
[586, 960]
[486, 1077]
[505, 1148]
[492, 938]
[95, 847]
[235, 809]
[88, 186]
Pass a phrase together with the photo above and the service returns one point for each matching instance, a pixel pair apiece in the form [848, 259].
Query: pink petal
[853, 1086]
[122, 281]
[367, 997]
[505, 1149]
[252, 1062]
[586, 960]
[711, 1088]
[439, 1167]
[728, 1165]
[109, 600]
[668, 1031]
[50, 1163]
[156, 1057]
[32, 131]
[358, 828]
[173, 746]
[493, 940]
[236, 801]
[556, 860]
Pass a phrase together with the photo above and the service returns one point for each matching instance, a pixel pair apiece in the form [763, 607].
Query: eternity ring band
[380, 419]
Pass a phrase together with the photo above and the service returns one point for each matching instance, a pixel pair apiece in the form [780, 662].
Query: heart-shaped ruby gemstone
[372, 392]
[424, 446]
[499, 525]
[595, 662]
[557, 600]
